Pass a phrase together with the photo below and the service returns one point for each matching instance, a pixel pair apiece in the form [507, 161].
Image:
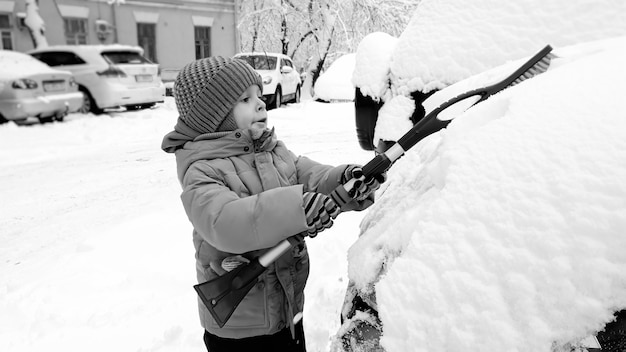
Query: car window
[259, 62]
[59, 58]
[124, 57]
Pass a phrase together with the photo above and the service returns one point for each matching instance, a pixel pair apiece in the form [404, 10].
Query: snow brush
[223, 294]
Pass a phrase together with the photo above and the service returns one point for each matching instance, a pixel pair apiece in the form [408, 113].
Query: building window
[146, 37]
[6, 37]
[75, 31]
[5, 21]
[203, 42]
[7, 41]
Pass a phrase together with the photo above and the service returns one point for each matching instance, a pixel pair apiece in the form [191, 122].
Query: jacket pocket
[251, 312]
[301, 258]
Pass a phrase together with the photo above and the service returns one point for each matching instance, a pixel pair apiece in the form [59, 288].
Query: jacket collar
[218, 145]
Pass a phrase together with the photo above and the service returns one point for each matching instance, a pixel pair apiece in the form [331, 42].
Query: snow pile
[373, 59]
[335, 84]
[505, 231]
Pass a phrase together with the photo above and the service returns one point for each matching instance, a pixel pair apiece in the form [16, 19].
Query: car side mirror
[366, 114]
[286, 69]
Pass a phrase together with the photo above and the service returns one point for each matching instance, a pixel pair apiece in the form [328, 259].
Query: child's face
[249, 110]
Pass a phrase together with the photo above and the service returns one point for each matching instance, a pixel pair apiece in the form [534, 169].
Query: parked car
[417, 274]
[30, 88]
[281, 80]
[109, 76]
[335, 84]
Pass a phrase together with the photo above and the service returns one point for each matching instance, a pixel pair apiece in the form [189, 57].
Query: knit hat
[206, 90]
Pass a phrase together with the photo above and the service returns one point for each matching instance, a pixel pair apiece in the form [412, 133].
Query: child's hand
[230, 263]
[362, 189]
[320, 210]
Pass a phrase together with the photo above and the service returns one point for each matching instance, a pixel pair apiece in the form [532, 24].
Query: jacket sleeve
[241, 224]
[316, 177]
[324, 179]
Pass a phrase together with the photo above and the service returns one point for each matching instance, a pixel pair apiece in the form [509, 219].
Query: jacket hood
[190, 146]
[178, 137]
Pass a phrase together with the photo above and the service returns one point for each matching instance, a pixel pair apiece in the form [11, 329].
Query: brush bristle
[538, 68]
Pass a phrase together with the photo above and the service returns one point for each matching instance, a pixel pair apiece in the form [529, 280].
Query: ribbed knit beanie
[206, 90]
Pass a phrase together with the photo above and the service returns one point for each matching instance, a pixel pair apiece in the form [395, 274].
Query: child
[244, 192]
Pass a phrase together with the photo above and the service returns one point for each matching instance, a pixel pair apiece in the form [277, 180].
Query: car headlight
[267, 79]
[24, 83]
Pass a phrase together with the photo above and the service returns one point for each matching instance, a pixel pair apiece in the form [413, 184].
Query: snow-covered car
[110, 76]
[498, 232]
[30, 88]
[335, 84]
[281, 80]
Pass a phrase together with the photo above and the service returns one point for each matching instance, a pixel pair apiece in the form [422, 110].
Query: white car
[281, 80]
[110, 76]
[30, 88]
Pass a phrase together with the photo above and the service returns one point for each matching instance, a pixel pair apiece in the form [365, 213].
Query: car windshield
[259, 62]
[124, 57]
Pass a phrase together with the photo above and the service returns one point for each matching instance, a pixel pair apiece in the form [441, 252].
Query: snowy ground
[95, 248]
[505, 232]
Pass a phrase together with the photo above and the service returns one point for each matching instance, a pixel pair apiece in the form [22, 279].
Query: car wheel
[278, 98]
[3, 120]
[46, 119]
[21, 122]
[89, 104]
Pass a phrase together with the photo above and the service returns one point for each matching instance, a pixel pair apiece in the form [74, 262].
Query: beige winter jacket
[243, 197]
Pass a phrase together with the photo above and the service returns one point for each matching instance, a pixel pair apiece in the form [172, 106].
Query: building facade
[171, 32]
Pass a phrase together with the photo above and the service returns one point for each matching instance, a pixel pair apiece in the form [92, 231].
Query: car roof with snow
[447, 41]
[96, 48]
[262, 53]
[15, 64]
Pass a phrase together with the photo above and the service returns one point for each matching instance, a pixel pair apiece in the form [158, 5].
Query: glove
[362, 189]
[320, 210]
